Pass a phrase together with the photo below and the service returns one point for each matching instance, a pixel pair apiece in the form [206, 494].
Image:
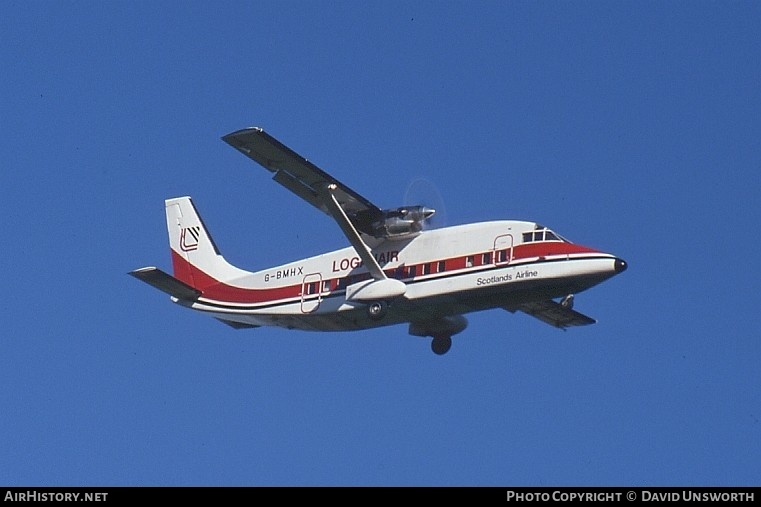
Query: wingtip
[137, 272]
[237, 133]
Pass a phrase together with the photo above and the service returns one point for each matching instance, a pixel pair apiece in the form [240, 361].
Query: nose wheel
[441, 344]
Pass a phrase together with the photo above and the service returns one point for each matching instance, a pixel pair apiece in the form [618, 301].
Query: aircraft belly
[331, 315]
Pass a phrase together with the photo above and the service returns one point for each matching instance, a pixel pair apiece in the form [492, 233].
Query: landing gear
[377, 310]
[441, 329]
[441, 344]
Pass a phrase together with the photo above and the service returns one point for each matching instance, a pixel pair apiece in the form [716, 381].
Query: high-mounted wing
[297, 174]
[309, 182]
[553, 314]
[353, 212]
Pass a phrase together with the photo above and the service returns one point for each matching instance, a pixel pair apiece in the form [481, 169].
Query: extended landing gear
[440, 329]
[377, 310]
[441, 344]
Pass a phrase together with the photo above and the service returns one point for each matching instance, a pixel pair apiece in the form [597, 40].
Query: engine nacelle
[402, 221]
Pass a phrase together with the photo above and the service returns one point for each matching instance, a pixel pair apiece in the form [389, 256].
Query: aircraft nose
[620, 266]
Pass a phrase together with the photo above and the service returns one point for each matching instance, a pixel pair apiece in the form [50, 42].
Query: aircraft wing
[297, 174]
[349, 209]
[553, 314]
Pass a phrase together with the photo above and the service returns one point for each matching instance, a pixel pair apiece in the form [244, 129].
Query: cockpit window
[540, 235]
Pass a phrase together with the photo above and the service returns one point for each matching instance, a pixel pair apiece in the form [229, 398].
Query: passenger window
[412, 271]
[503, 256]
[326, 286]
[486, 258]
[469, 261]
[442, 267]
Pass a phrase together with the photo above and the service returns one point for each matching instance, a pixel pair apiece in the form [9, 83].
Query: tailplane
[166, 283]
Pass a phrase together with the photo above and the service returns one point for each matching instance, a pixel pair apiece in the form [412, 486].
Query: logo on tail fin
[189, 238]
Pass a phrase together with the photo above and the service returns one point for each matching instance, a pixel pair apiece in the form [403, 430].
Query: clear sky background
[632, 127]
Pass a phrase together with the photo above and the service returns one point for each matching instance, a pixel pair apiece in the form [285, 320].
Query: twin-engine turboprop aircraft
[394, 271]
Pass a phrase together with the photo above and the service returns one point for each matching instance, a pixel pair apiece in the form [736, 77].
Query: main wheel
[441, 344]
[377, 310]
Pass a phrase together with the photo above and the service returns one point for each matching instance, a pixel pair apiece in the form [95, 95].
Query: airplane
[395, 271]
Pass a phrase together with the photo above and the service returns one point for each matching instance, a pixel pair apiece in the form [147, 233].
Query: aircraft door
[311, 292]
[503, 249]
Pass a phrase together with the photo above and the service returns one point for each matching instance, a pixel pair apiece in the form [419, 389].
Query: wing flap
[553, 314]
[166, 283]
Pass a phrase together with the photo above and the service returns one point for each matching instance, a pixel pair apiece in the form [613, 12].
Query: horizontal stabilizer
[553, 314]
[166, 283]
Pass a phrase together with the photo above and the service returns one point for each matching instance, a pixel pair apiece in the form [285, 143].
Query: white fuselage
[449, 271]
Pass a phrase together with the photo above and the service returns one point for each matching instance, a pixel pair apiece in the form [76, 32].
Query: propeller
[423, 192]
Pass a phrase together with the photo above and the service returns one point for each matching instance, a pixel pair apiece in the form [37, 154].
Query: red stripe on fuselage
[212, 288]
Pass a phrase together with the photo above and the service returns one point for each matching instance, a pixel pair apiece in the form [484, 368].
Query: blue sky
[633, 127]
